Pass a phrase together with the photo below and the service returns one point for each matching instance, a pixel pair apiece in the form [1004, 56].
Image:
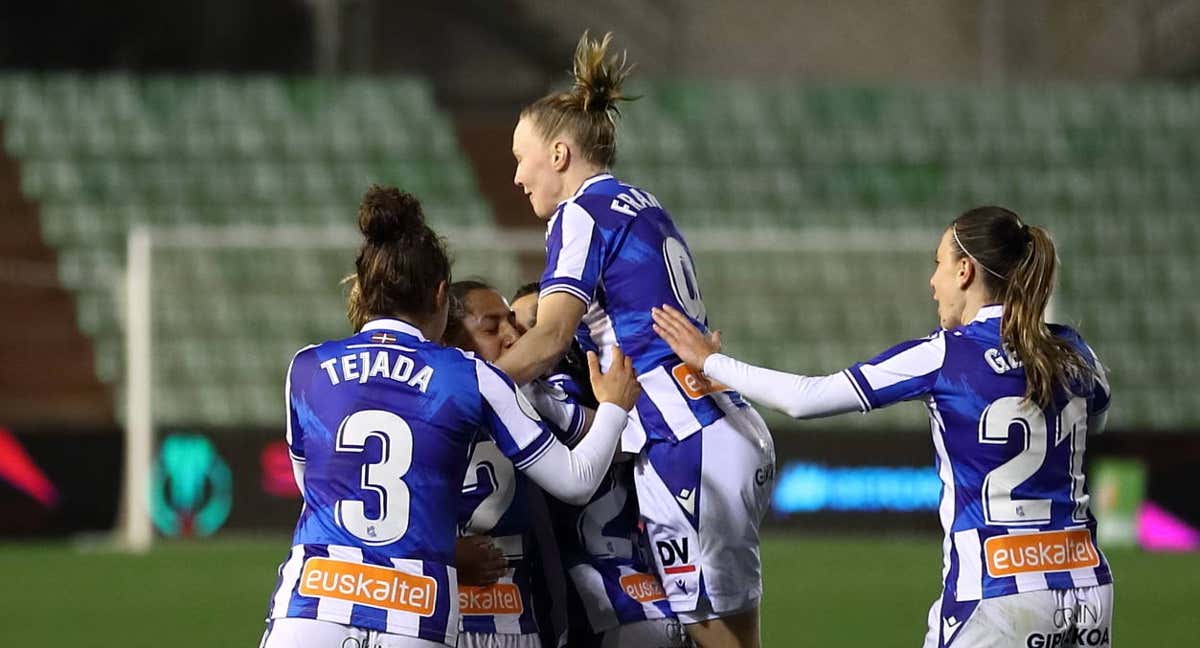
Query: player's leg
[481, 640]
[736, 630]
[652, 633]
[702, 500]
[311, 633]
[1072, 617]
[933, 621]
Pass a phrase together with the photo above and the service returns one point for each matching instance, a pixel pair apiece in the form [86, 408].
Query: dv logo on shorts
[674, 554]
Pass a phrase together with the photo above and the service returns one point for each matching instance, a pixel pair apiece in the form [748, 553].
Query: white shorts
[653, 633]
[1045, 619]
[702, 500]
[480, 640]
[313, 633]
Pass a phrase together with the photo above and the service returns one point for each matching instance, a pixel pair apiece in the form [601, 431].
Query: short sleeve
[295, 404]
[574, 254]
[906, 371]
[569, 386]
[1101, 393]
[561, 402]
[510, 419]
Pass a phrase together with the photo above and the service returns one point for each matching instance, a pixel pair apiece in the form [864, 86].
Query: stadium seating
[100, 154]
[860, 179]
[1112, 170]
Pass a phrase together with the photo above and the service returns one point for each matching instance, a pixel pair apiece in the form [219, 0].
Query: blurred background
[178, 185]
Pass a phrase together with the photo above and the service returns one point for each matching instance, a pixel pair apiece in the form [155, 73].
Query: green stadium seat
[103, 153]
[1114, 170]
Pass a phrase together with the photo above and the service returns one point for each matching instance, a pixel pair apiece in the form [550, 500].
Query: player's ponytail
[401, 261]
[1018, 264]
[588, 112]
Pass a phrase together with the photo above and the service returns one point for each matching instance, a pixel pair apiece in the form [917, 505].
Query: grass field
[821, 591]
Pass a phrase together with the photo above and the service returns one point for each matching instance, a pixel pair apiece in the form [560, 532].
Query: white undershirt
[573, 474]
[801, 397]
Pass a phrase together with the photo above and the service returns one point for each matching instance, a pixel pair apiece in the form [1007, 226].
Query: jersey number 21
[1010, 413]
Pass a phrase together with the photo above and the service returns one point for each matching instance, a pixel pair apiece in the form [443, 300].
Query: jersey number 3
[385, 478]
[1014, 412]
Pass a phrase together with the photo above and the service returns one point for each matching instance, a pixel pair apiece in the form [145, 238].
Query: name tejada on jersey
[362, 366]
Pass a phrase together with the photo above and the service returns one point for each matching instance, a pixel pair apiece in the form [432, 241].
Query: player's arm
[575, 251]
[478, 560]
[571, 475]
[906, 371]
[559, 314]
[558, 403]
[569, 419]
[1098, 402]
[293, 433]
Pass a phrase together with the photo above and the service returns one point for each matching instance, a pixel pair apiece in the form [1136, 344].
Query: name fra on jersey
[633, 201]
[361, 367]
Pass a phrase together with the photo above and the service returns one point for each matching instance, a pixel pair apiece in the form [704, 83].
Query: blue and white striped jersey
[601, 543]
[1014, 505]
[614, 247]
[605, 553]
[383, 422]
[495, 503]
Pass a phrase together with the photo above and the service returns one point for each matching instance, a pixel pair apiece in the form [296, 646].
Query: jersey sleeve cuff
[534, 451]
[1099, 403]
[570, 286]
[576, 431]
[861, 390]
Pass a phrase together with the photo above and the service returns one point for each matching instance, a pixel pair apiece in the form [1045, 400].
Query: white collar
[599, 177]
[393, 324]
[991, 311]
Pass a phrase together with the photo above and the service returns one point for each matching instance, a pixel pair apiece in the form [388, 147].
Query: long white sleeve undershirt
[554, 405]
[805, 397]
[572, 475]
[801, 397]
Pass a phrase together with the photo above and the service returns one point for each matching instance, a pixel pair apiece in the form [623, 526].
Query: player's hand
[619, 386]
[479, 562]
[692, 346]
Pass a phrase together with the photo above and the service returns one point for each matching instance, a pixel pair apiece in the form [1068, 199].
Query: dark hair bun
[387, 215]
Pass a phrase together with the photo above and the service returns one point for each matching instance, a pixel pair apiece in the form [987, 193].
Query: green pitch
[821, 591]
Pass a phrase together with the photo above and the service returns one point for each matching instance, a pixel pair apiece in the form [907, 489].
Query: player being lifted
[380, 427]
[1011, 402]
[705, 460]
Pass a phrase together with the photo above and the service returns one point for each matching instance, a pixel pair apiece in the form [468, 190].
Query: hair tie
[954, 229]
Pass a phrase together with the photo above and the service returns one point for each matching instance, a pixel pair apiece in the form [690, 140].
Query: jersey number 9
[385, 478]
[683, 278]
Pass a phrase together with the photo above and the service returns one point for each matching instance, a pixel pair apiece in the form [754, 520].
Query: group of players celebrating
[580, 467]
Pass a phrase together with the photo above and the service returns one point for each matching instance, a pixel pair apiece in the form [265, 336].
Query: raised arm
[797, 396]
[559, 314]
[906, 371]
[570, 419]
[575, 252]
[570, 475]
